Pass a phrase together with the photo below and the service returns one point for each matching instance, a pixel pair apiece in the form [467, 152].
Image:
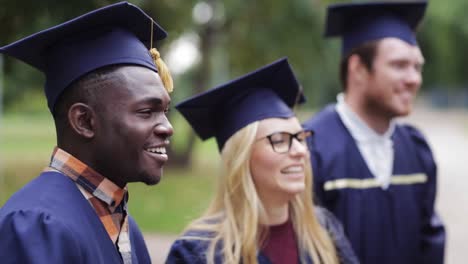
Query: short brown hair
[366, 53]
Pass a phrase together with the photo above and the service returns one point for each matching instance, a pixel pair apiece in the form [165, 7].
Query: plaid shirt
[108, 200]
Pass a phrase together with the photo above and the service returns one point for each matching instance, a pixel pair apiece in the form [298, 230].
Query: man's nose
[165, 127]
[414, 77]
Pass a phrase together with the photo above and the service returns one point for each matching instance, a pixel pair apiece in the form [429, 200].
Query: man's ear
[82, 120]
[357, 68]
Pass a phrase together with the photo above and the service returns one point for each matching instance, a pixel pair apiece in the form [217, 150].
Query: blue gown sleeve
[334, 228]
[433, 231]
[35, 237]
[187, 251]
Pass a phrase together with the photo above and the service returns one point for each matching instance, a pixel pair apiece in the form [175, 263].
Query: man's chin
[404, 111]
[151, 179]
[400, 110]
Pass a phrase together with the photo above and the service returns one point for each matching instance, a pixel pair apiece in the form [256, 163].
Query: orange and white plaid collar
[108, 200]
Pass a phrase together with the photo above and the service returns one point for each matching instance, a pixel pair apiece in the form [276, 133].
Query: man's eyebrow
[152, 100]
[155, 101]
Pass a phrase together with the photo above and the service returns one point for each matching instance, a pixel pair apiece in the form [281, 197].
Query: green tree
[241, 36]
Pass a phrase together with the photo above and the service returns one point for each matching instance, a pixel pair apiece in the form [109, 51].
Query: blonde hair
[236, 210]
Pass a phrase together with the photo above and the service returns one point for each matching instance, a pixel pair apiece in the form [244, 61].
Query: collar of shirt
[357, 127]
[376, 149]
[89, 179]
[107, 199]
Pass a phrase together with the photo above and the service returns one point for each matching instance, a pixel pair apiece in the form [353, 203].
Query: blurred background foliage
[210, 42]
[216, 40]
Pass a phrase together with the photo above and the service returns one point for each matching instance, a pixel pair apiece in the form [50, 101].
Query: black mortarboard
[116, 34]
[358, 23]
[271, 91]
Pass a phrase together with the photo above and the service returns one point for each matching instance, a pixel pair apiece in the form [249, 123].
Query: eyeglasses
[281, 142]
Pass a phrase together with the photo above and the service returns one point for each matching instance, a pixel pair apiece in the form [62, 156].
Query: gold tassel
[163, 70]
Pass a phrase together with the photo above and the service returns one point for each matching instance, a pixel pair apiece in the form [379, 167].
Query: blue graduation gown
[193, 251]
[187, 251]
[50, 221]
[396, 225]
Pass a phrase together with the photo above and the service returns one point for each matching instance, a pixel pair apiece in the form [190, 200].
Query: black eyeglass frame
[306, 133]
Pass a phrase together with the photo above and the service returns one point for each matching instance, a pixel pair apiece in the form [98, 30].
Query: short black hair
[85, 90]
[366, 53]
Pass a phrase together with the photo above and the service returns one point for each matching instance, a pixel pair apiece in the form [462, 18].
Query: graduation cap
[271, 91]
[358, 23]
[116, 34]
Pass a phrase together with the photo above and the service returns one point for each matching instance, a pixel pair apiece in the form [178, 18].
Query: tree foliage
[242, 36]
[246, 35]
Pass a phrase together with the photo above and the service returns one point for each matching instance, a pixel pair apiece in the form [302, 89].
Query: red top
[281, 245]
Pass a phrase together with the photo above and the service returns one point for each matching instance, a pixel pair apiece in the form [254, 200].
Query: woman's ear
[82, 120]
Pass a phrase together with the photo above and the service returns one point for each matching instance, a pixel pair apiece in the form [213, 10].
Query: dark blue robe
[396, 225]
[193, 251]
[50, 221]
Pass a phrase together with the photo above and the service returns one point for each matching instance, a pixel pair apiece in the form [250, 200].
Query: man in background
[378, 177]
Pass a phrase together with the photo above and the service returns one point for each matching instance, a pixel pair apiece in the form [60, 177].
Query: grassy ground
[167, 208]
[26, 143]
[25, 147]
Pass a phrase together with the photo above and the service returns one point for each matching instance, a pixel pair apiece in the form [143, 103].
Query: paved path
[158, 246]
[447, 132]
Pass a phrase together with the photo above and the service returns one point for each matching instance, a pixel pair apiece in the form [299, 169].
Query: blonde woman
[262, 211]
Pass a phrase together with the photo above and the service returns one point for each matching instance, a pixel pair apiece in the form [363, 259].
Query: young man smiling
[378, 177]
[108, 94]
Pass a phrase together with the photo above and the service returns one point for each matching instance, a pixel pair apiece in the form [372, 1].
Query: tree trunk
[207, 34]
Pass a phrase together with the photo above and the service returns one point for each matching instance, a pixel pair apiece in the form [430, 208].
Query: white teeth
[158, 150]
[293, 169]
